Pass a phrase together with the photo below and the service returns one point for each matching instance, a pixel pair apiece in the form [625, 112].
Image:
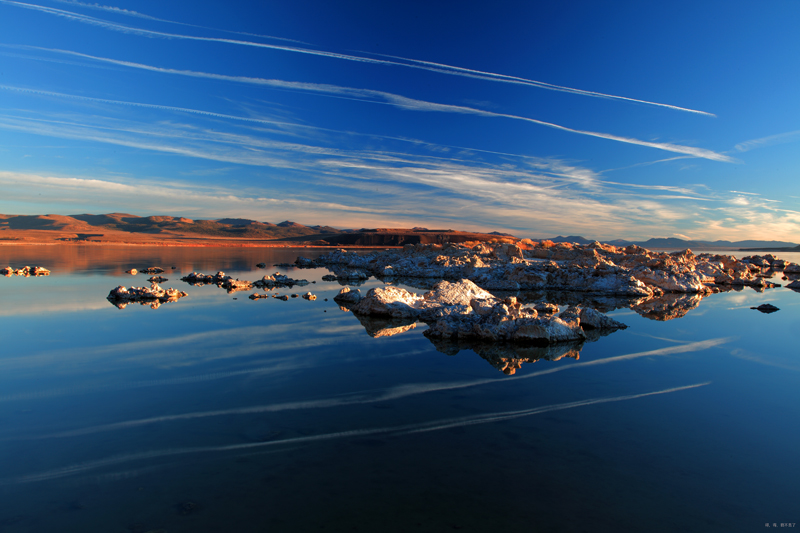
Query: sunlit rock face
[25, 271]
[463, 310]
[153, 296]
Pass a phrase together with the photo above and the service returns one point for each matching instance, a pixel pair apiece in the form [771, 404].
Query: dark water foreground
[219, 413]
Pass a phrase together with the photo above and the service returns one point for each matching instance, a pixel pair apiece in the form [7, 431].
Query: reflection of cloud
[389, 431]
[392, 393]
[749, 356]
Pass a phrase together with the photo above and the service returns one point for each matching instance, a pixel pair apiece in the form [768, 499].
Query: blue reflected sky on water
[215, 414]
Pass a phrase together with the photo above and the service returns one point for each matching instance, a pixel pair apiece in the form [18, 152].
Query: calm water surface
[219, 413]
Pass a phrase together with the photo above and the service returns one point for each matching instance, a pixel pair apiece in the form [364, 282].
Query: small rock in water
[766, 308]
[261, 265]
[186, 508]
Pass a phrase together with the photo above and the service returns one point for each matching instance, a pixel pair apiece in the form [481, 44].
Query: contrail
[130, 13]
[392, 431]
[408, 63]
[382, 97]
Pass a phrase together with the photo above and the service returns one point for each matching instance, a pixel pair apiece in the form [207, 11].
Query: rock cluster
[464, 311]
[25, 271]
[152, 270]
[153, 296]
[220, 279]
[595, 268]
[658, 285]
[279, 280]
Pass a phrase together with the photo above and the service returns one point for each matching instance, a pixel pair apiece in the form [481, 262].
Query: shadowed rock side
[601, 274]
[25, 271]
[153, 296]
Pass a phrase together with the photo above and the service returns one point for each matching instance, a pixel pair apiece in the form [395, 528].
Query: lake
[221, 413]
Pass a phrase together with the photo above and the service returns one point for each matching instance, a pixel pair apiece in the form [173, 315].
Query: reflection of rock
[668, 306]
[309, 296]
[766, 308]
[508, 357]
[152, 270]
[25, 271]
[382, 326]
[795, 285]
[157, 279]
[153, 295]
[604, 304]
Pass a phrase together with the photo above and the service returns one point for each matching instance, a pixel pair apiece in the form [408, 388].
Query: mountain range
[127, 228]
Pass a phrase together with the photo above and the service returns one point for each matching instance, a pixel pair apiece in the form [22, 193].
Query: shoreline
[162, 244]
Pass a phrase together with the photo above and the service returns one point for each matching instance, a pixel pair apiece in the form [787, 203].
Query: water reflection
[383, 326]
[509, 357]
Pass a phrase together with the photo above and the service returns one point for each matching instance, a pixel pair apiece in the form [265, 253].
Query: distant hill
[676, 243]
[126, 228]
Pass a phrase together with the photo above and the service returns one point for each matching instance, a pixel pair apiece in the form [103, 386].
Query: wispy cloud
[408, 63]
[402, 102]
[136, 14]
[540, 84]
[790, 136]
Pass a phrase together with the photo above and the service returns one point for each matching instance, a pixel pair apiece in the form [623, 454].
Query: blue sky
[607, 120]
